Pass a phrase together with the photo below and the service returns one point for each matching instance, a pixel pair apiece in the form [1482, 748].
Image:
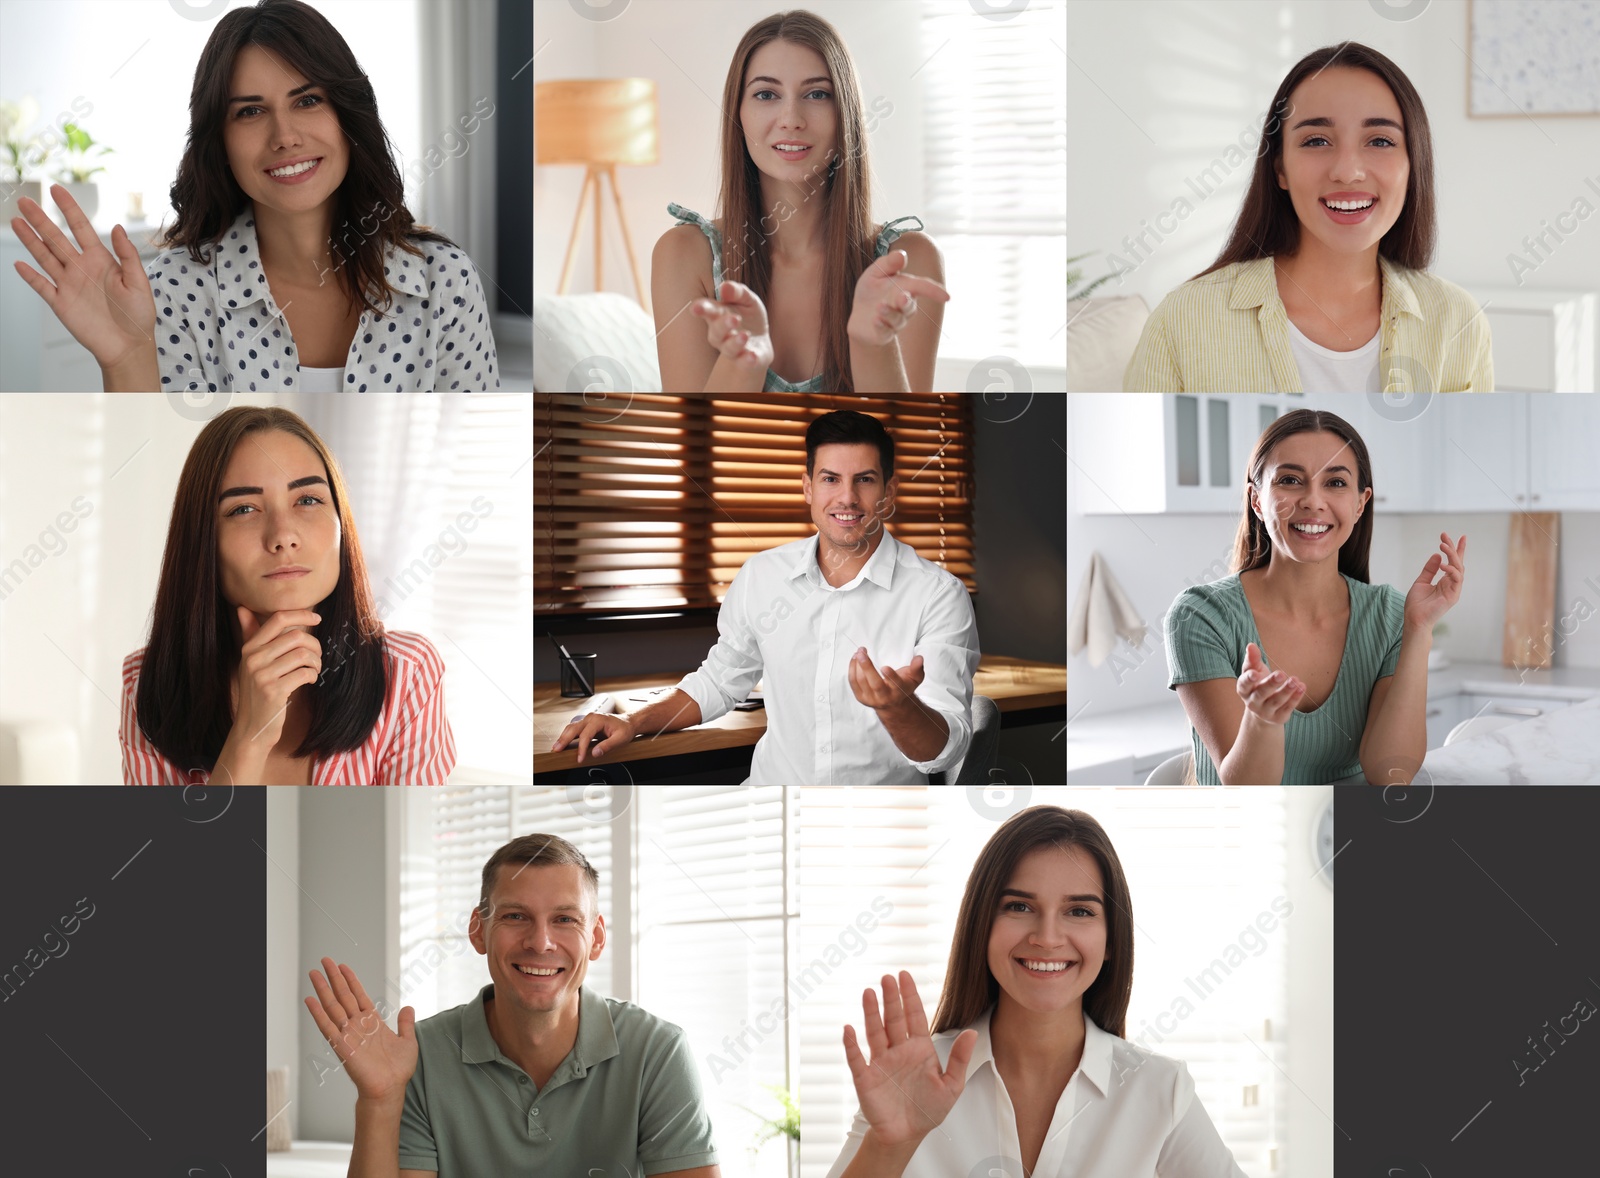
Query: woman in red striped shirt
[267, 662]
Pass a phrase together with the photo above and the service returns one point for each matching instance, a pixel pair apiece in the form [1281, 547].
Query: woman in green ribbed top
[805, 294]
[1295, 670]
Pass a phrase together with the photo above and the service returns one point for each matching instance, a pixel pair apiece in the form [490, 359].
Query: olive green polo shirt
[626, 1099]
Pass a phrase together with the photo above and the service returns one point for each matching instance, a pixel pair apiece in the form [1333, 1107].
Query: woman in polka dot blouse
[293, 262]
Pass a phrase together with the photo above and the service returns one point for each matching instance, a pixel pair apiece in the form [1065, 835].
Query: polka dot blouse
[217, 328]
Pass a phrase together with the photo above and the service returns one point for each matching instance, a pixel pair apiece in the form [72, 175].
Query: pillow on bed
[593, 343]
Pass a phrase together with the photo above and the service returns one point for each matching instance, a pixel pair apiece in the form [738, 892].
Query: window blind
[995, 167]
[448, 835]
[899, 859]
[717, 934]
[656, 501]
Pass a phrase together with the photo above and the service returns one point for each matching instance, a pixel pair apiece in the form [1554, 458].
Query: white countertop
[1157, 731]
[1558, 748]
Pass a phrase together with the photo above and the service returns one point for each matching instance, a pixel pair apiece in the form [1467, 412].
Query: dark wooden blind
[647, 502]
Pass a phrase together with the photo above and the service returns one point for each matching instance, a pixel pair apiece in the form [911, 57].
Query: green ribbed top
[1207, 630]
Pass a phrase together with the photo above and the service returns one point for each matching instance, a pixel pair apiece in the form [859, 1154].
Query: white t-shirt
[1125, 1113]
[782, 623]
[321, 380]
[1323, 370]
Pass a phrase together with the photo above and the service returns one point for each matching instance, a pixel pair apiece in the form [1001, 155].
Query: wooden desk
[1020, 688]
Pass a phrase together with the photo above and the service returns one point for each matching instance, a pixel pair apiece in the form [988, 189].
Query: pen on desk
[587, 689]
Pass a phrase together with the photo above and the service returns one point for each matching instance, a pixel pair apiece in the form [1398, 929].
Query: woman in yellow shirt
[1322, 286]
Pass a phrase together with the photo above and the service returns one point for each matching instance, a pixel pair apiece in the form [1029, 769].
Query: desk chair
[982, 753]
[1173, 771]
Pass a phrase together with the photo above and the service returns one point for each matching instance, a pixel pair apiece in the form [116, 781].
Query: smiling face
[1052, 910]
[269, 515]
[1311, 478]
[1332, 149]
[788, 98]
[281, 122]
[540, 918]
[847, 480]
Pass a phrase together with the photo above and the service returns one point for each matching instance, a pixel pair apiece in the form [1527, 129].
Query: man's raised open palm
[379, 1061]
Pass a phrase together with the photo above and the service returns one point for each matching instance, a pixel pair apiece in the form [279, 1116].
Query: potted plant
[16, 144]
[75, 172]
[1075, 276]
[787, 1126]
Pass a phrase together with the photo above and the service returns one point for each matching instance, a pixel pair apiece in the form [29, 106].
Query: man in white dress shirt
[867, 650]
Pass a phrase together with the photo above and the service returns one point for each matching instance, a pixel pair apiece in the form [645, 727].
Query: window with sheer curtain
[447, 835]
[654, 502]
[994, 113]
[1201, 865]
[440, 489]
[699, 893]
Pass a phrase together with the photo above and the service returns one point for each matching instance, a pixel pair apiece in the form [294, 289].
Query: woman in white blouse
[1024, 1071]
[293, 262]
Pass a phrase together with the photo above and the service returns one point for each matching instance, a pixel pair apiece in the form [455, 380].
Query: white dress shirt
[218, 328]
[782, 621]
[1125, 1113]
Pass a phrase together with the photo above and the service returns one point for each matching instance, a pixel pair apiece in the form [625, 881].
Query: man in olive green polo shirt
[536, 1075]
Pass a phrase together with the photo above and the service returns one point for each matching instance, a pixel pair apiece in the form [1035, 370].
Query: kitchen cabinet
[1443, 714]
[1150, 453]
[1484, 460]
[1403, 446]
[1562, 473]
[1520, 452]
[1153, 453]
[1523, 707]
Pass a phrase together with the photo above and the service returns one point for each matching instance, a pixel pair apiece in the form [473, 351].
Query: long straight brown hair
[970, 987]
[184, 701]
[842, 183]
[1268, 226]
[370, 213]
[1252, 546]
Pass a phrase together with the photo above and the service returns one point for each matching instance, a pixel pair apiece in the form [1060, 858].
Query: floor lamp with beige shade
[599, 123]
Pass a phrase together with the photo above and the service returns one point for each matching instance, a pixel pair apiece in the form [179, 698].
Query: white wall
[1156, 557]
[131, 63]
[348, 887]
[686, 47]
[1160, 89]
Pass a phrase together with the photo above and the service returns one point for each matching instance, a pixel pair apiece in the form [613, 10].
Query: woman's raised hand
[1271, 695]
[378, 1060]
[903, 1092]
[886, 299]
[275, 658]
[103, 299]
[736, 326]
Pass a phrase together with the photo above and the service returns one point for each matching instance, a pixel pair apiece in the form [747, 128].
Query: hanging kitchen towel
[1101, 613]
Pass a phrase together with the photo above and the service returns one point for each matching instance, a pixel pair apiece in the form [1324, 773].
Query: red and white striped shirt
[411, 743]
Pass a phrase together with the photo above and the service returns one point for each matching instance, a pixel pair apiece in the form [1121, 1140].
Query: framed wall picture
[1534, 57]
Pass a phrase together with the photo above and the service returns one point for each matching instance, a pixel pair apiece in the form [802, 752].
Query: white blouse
[218, 329]
[1125, 1113]
[781, 623]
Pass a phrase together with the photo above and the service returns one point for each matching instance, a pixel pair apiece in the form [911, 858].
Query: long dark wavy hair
[842, 182]
[970, 987]
[370, 214]
[1252, 546]
[1268, 226]
[184, 701]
